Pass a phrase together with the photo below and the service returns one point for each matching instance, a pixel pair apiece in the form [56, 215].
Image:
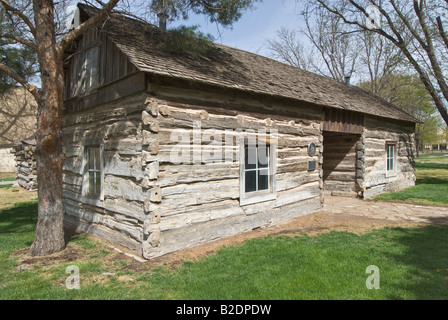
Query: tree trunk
[49, 237]
[417, 142]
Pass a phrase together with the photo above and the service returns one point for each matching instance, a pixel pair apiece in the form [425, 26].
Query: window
[90, 69]
[256, 168]
[93, 173]
[257, 173]
[390, 158]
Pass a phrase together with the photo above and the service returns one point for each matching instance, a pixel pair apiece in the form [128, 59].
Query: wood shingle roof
[228, 67]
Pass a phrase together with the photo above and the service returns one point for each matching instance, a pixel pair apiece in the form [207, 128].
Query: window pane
[390, 157]
[94, 80]
[250, 181]
[97, 183]
[97, 159]
[91, 158]
[250, 157]
[94, 170]
[263, 179]
[91, 182]
[91, 68]
[263, 156]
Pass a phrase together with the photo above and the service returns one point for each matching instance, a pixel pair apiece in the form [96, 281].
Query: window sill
[93, 201]
[391, 174]
[257, 197]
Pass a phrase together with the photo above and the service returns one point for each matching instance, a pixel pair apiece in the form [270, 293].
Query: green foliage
[19, 58]
[186, 40]
[224, 12]
[408, 93]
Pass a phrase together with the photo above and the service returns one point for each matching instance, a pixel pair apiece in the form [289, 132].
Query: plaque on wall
[312, 149]
[312, 165]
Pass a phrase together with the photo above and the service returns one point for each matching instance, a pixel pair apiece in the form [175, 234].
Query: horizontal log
[199, 187]
[170, 175]
[184, 118]
[120, 187]
[384, 125]
[201, 213]
[130, 146]
[290, 180]
[118, 166]
[203, 232]
[232, 103]
[297, 194]
[113, 236]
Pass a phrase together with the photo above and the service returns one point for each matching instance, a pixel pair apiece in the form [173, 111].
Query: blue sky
[255, 27]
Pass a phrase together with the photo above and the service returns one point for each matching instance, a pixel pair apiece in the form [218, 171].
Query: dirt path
[341, 214]
[338, 213]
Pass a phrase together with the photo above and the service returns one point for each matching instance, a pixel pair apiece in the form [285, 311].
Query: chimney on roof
[347, 80]
[163, 16]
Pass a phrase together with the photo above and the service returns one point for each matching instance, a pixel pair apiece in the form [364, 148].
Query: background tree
[39, 23]
[332, 51]
[20, 58]
[409, 94]
[417, 29]
[288, 48]
[328, 46]
[378, 63]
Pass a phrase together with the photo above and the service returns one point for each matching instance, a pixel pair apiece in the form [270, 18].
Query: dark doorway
[340, 163]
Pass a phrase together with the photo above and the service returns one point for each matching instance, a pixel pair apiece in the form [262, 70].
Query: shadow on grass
[431, 180]
[431, 166]
[424, 253]
[21, 218]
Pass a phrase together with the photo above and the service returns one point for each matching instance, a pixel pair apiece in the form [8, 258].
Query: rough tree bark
[49, 236]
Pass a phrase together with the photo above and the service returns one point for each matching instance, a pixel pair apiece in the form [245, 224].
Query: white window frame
[259, 195]
[92, 198]
[393, 171]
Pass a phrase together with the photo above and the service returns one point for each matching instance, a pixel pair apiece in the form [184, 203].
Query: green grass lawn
[413, 264]
[431, 187]
[7, 176]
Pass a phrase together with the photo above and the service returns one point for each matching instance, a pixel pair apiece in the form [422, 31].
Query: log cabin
[166, 150]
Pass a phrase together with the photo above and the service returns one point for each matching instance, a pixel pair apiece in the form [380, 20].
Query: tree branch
[19, 40]
[32, 89]
[431, 51]
[401, 44]
[81, 29]
[20, 14]
[408, 25]
[363, 27]
[442, 31]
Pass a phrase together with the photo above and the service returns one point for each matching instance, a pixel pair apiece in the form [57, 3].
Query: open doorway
[340, 163]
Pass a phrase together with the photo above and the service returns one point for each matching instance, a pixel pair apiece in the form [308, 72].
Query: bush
[188, 41]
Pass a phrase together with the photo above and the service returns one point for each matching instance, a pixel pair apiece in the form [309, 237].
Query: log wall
[199, 197]
[119, 216]
[25, 161]
[154, 205]
[375, 180]
[156, 202]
